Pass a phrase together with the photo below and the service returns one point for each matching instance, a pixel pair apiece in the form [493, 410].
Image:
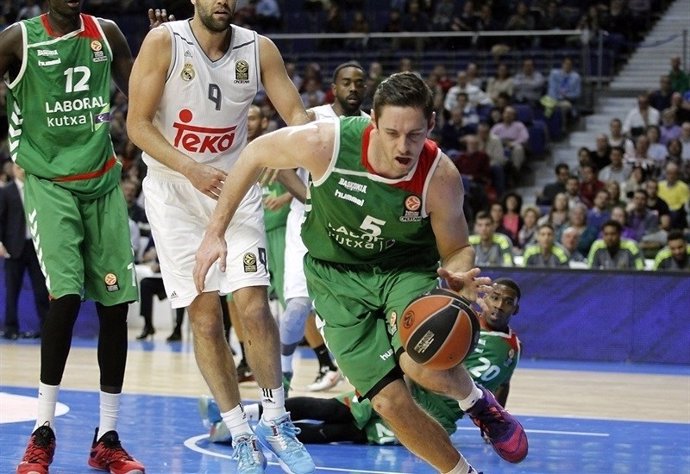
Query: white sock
[286, 362]
[252, 411]
[273, 401]
[236, 421]
[472, 398]
[109, 411]
[47, 399]
[461, 467]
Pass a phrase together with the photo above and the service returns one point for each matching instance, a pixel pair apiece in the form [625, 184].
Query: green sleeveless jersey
[59, 107]
[354, 216]
[493, 361]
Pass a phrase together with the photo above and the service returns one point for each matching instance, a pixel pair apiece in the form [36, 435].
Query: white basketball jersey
[203, 110]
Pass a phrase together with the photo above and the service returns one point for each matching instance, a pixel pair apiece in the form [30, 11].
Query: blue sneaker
[210, 417]
[247, 453]
[280, 436]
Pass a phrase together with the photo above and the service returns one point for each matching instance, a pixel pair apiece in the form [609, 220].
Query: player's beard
[217, 26]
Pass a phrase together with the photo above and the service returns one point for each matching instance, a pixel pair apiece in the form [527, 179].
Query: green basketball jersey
[493, 361]
[59, 107]
[277, 218]
[354, 216]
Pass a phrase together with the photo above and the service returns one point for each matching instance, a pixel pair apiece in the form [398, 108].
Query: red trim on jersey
[90, 175]
[89, 22]
[426, 161]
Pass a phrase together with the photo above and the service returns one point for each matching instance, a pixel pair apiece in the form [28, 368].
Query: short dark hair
[483, 215]
[404, 89]
[675, 234]
[510, 283]
[342, 66]
[561, 166]
[612, 223]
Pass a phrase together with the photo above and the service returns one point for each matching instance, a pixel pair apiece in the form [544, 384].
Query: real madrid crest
[187, 73]
[241, 71]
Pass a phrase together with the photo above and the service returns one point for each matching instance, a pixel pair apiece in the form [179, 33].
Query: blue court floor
[166, 434]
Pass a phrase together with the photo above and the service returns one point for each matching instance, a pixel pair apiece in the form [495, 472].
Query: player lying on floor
[347, 418]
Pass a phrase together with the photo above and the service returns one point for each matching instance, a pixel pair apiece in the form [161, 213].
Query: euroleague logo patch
[110, 281]
[97, 51]
[241, 72]
[408, 319]
[249, 261]
[412, 209]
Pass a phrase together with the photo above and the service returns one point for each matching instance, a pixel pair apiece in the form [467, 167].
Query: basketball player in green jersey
[385, 205]
[350, 418]
[59, 68]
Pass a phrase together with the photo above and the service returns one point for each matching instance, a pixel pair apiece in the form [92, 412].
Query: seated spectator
[444, 12]
[613, 252]
[497, 212]
[589, 185]
[572, 191]
[577, 219]
[521, 20]
[136, 213]
[675, 155]
[546, 253]
[545, 198]
[502, 82]
[528, 84]
[680, 106]
[617, 138]
[619, 214]
[492, 146]
[680, 81]
[512, 218]
[470, 117]
[334, 24]
[640, 156]
[685, 140]
[676, 255]
[474, 163]
[496, 112]
[599, 213]
[268, 16]
[570, 239]
[558, 214]
[618, 170]
[668, 129]
[600, 157]
[614, 189]
[676, 194]
[654, 202]
[491, 248]
[359, 24]
[514, 136]
[454, 130]
[527, 234]
[656, 152]
[473, 76]
[640, 117]
[660, 99]
[638, 176]
[312, 96]
[475, 95]
[415, 19]
[583, 159]
[565, 86]
[645, 224]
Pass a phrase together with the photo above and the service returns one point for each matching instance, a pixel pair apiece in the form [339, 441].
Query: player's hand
[207, 179]
[268, 176]
[468, 284]
[159, 16]
[213, 248]
[273, 203]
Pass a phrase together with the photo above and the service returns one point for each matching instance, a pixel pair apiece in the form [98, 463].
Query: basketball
[439, 329]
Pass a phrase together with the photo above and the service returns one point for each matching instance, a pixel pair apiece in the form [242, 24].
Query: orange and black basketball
[439, 329]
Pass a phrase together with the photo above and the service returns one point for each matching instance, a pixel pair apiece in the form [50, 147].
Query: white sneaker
[325, 380]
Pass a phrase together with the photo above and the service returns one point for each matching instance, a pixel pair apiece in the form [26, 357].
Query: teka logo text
[202, 139]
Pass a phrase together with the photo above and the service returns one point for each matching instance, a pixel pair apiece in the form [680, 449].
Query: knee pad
[293, 319]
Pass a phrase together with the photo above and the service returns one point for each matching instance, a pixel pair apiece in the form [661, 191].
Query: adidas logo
[173, 295]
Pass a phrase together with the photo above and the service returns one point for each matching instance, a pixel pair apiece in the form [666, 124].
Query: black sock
[244, 354]
[324, 357]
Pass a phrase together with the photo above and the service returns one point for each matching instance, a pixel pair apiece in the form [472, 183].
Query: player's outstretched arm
[451, 232]
[307, 146]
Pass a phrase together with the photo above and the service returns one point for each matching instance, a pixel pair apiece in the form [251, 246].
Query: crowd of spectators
[487, 126]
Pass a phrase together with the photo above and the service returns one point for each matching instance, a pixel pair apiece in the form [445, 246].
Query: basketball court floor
[580, 417]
